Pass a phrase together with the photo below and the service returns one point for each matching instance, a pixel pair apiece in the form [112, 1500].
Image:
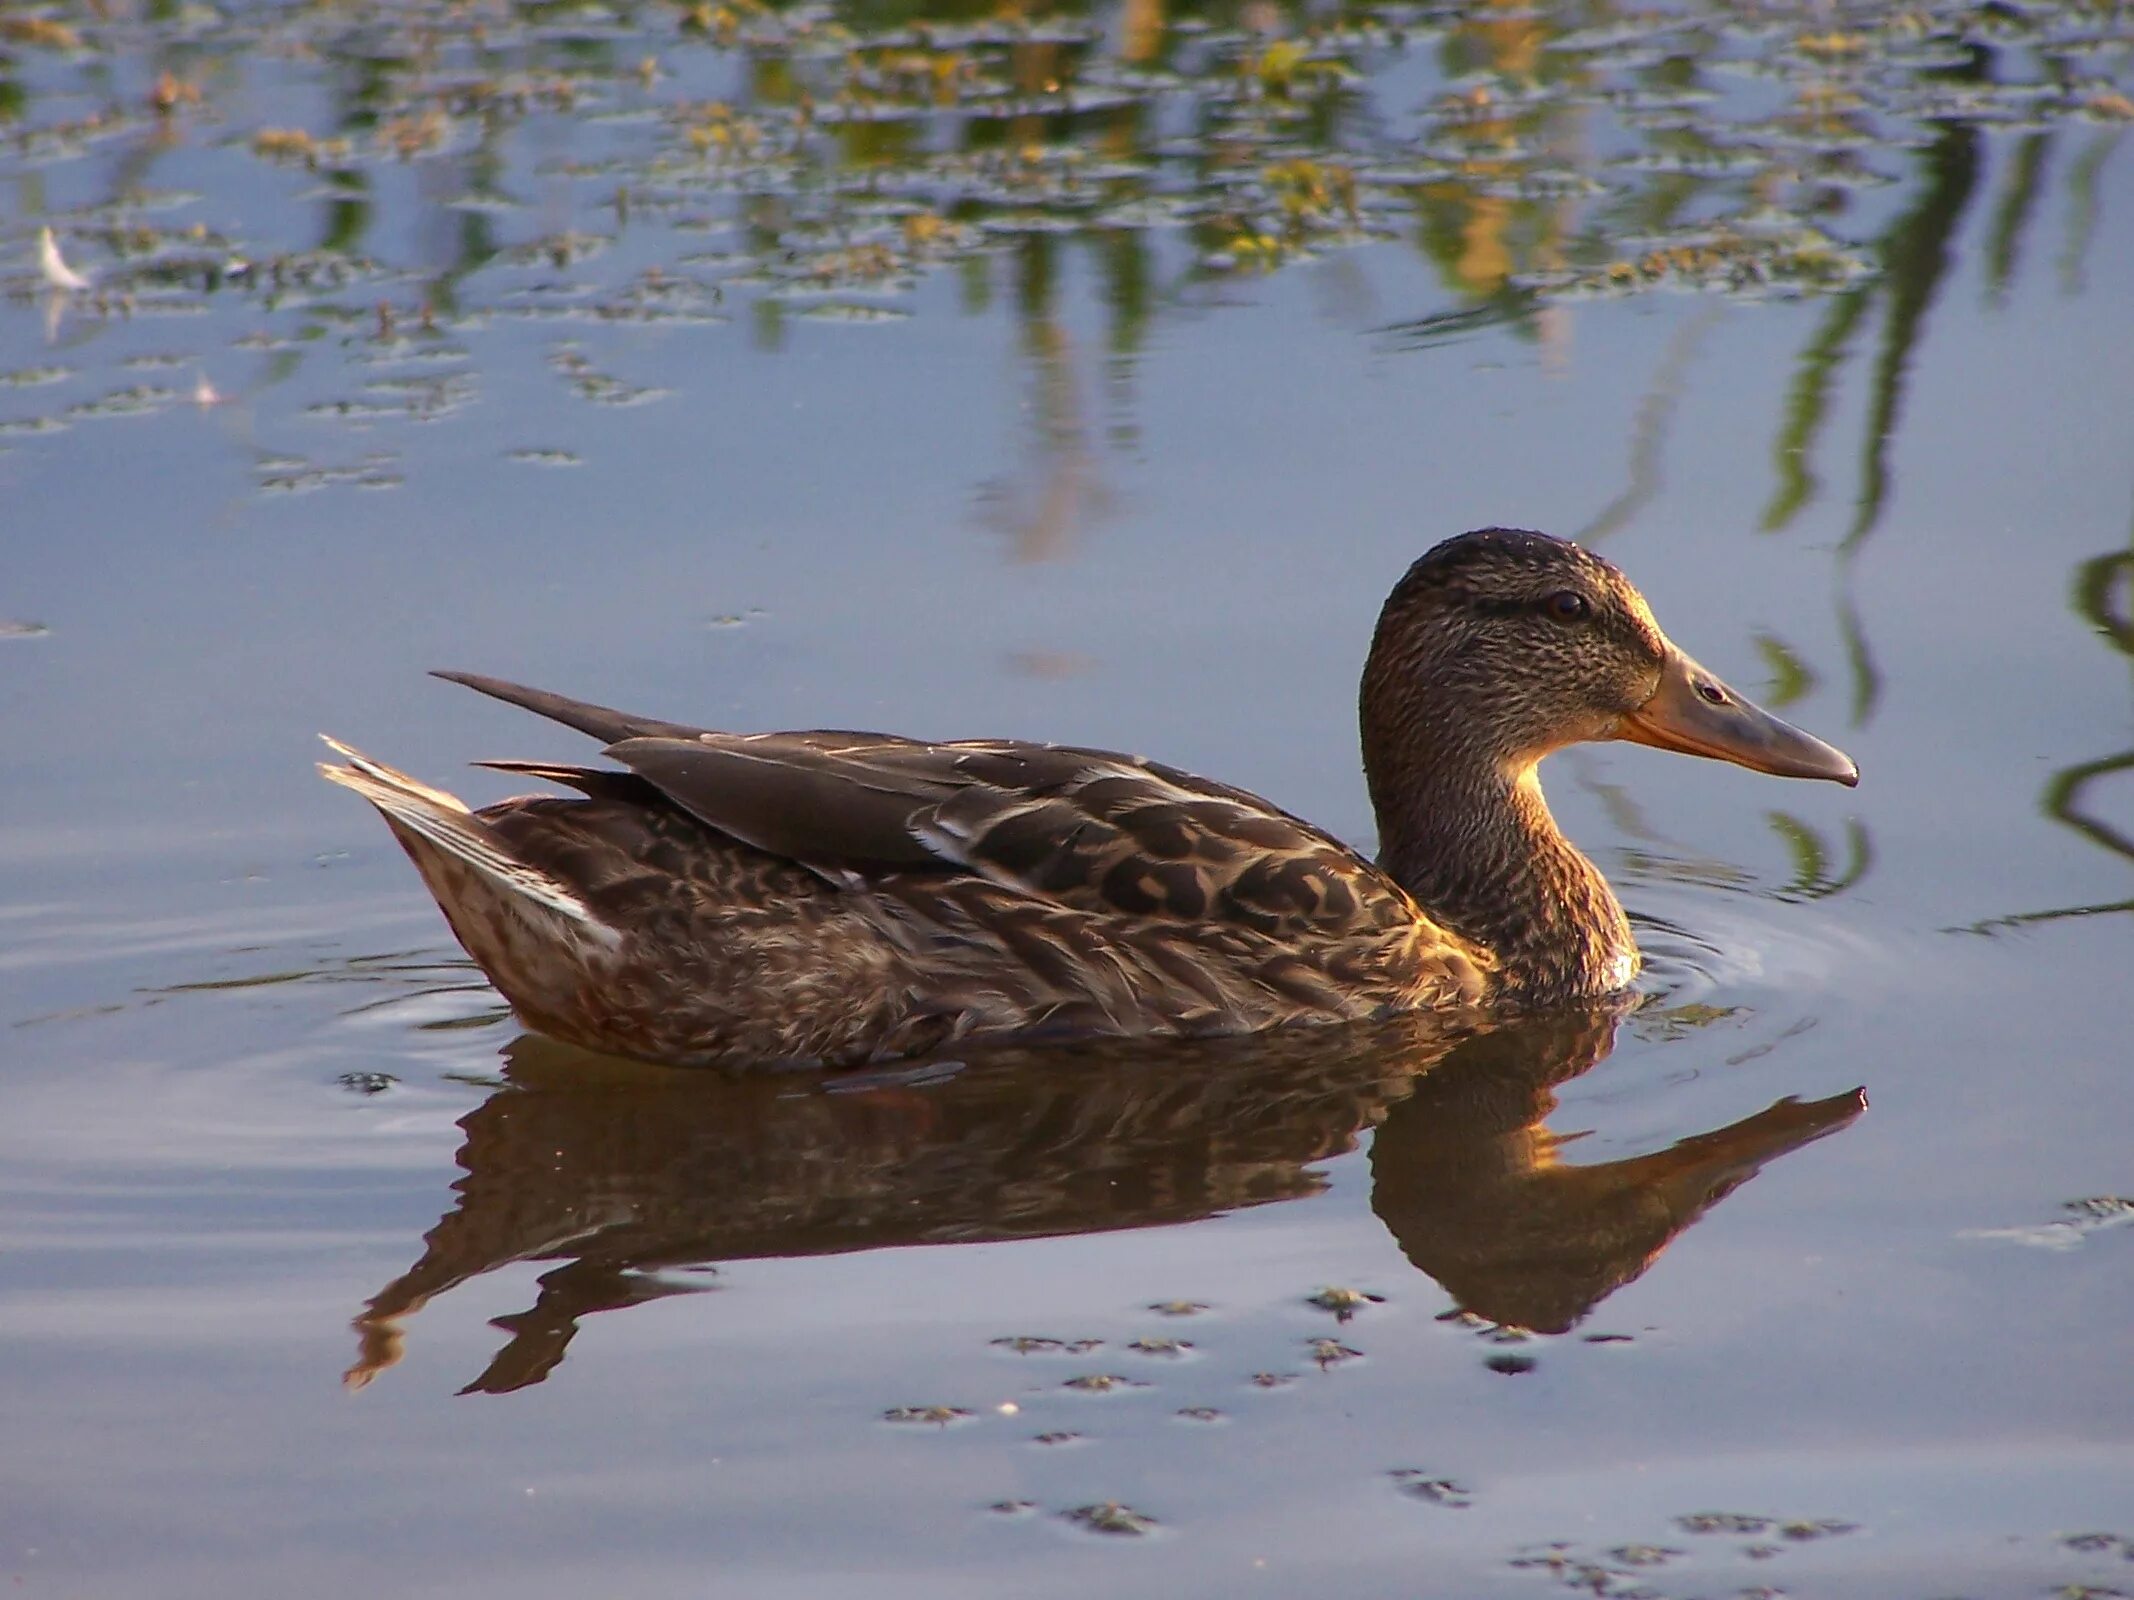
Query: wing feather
[1086, 830]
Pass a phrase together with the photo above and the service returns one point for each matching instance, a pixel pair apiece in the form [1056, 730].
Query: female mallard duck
[841, 897]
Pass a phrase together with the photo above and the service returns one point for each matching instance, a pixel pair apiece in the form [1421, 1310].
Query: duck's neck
[1476, 846]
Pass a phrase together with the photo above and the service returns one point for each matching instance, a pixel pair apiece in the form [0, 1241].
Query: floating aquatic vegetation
[1111, 1517]
[1330, 1353]
[295, 475]
[838, 311]
[1798, 1529]
[938, 1416]
[841, 157]
[367, 1083]
[1102, 1383]
[136, 400]
[2084, 1218]
[1169, 1348]
[1644, 1555]
[1435, 1490]
[1722, 1522]
[1029, 1345]
[2097, 1544]
[1344, 1303]
[1815, 1528]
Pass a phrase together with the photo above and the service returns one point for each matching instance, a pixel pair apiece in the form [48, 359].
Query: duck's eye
[1568, 605]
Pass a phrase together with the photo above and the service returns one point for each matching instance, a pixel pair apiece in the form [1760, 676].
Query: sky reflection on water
[1084, 375]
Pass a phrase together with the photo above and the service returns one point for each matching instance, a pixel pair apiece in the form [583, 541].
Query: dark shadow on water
[620, 1174]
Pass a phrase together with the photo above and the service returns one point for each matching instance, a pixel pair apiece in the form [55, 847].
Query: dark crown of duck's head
[1501, 570]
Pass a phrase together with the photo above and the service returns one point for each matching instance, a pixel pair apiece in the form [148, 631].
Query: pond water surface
[1084, 374]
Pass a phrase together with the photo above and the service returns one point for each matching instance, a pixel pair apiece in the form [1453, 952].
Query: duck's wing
[1088, 830]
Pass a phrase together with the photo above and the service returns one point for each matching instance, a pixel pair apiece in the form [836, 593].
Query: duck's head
[1508, 644]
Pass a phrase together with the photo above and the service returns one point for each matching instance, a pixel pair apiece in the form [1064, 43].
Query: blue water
[1108, 482]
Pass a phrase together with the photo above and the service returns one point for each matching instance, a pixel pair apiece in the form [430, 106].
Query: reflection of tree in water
[629, 1180]
[1566, 154]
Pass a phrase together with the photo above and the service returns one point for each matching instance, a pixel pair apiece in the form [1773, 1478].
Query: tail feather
[442, 820]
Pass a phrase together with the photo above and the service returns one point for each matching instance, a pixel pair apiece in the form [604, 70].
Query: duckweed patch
[2095, 1214]
[1113, 1518]
[841, 157]
[1344, 1303]
[936, 1416]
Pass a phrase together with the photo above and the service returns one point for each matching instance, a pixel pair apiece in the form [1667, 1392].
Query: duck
[834, 897]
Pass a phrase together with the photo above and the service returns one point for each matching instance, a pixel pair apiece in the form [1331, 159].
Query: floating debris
[138, 400]
[1101, 1383]
[1179, 1308]
[1344, 1303]
[1722, 1522]
[1438, 1491]
[1821, 1528]
[1644, 1555]
[366, 1083]
[1331, 1352]
[1031, 1345]
[1109, 1516]
[285, 475]
[1172, 1348]
[2099, 1544]
[2085, 1217]
[855, 315]
[939, 1416]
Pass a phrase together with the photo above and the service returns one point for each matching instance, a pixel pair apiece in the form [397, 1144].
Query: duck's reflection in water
[619, 1172]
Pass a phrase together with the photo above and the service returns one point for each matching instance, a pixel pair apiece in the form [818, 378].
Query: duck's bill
[1696, 714]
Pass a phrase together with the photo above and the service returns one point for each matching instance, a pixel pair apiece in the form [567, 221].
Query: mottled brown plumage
[838, 896]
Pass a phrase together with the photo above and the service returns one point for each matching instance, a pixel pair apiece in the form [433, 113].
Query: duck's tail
[425, 817]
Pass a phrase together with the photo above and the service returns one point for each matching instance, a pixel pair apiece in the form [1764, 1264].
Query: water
[1126, 410]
